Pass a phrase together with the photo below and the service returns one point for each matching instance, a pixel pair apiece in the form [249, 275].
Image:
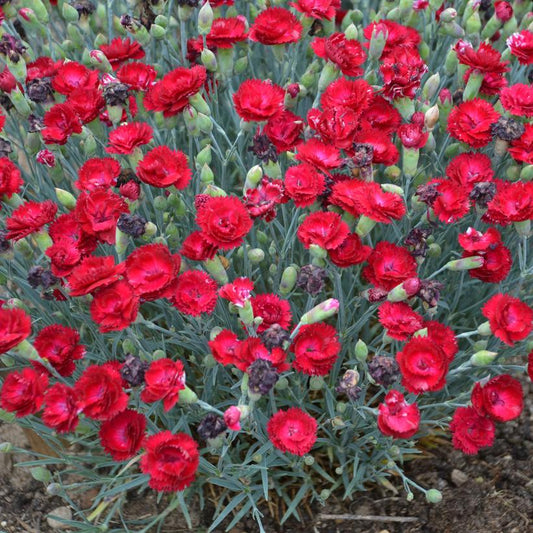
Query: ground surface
[488, 493]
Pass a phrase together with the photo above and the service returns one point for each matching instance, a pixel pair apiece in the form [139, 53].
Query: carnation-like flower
[122, 436]
[61, 408]
[194, 293]
[471, 121]
[275, 25]
[324, 229]
[501, 398]
[15, 326]
[10, 178]
[272, 309]
[399, 320]
[258, 100]
[115, 307]
[397, 418]
[163, 167]
[170, 460]
[347, 54]
[521, 46]
[164, 380]
[292, 431]
[125, 138]
[29, 218]
[22, 392]
[317, 9]
[98, 172]
[471, 431]
[511, 320]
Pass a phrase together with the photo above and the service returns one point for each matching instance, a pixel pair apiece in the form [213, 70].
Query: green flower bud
[214, 191]
[69, 13]
[66, 199]
[27, 351]
[189, 117]
[361, 350]
[204, 156]
[128, 346]
[451, 62]
[288, 280]
[19, 102]
[209, 60]
[184, 13]
[158, 32]
[431, 86]
[273, 170]
[241, 65]
[434, 250]
[253, 178]
[491, 27]
[364, 226]
[150, 229]
[405, 106]
[523, 228]
[390, 187]
[316, 382]
[484, 329]
[431, 117]
[162, 21]
[205, 19]
[121, 242]
[214, 332]
[392, 173]
[257, 457]
[448, 15]
[317, 251]
[256, 256]
[160, 203]
[329, 74]
[158, 354]
[351, 32]
[483, 358]
[43, 240]
[473, 24]
[325, 494]
[205, 123]
[526, 174]
[321, 312]
[377, 43]
[468, 263]
[309, 460]
[480, 345]
[273, 269]
[473, 85]
[433, 496]
[282, 384]
[216, 269]
[341, 407]
[187, 396]
[410, 160]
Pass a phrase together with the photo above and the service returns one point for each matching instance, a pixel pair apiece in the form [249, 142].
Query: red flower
[170, 460]
[323, 156]
[225, 32]
[513, 202]
[122, 436]
[115, 307]
[325, 229]
[316, 348]
[87, 103]
[99, 392]
[397, 35]
[93, 273]
[497, 260]
[521, 46]
[238, 292]
[275, 25]
[350, 252]
[318, 9]
[522, 149]
[503, 11]
[354, 94]
[383, 149]
[251, 349]
[29, 218]
[262, 200]
[452, 202]
[73, 75]
[471, 431]
[66, 227]
[171, 94]
[335, 125]
[530, 365]
[59, 346]
[98, 212]
[15, 326]
[510, 319]
[98, 172]
[224, 221]
[164, 379]
[412, 136]
[470, 168]
[195, 293]
[10, 178]
[137, 75]
[258, 100]
[42, 67]
[60, 408]
[196, 247]
[283, 130]
[23, 392]
[120, 50]
[224, 348]
[397, 418]
[368, 199]
[402, 70]
[292, 431]
[64, 256]
[380, 115]
[125, 138]
[471, 121]
[423, 365]
[399, 320]
[303, 183]
[501, 398]
[163, 167]
[486, 60]
[443, 337]
[389, 265]
[151, 269]
[347, 54]
[518, 99]
[61, 122]
[272, 309]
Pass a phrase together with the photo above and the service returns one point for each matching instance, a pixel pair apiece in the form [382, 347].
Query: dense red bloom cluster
[521, 46]
[513, 202]
[275, 25]
[258, 100]
[29, 218]
[115, 306]
[292, 431]
[10, 178]
[347, 54]
[272, 309]
[170, 460]
[471, 121]
[518, 100]
[163, 167]
[397, 418]
[238, 292]
[350, 252]
[61, 408]
[399, 320]
[120, 50]
[324, 229]
[126, 138]
[511, 320]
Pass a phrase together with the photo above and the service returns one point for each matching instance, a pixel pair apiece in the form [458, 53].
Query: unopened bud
[484, 329]
[288, 280]
[377, 42]
[364, 226]
[99, 60]
[321, 312]
[404, 290]
[253, 178]
[204, 156]
[198, 102]
[187, 396]
[468, 263]
[209, 60]
[351, 32]
[448, 15]
[329, 74]
[523, 228]
[214, 191]
[483, 358]
[256, 256]
[317, 251]
[158, 32]
[391, 187]
[66, 199]
[433, 496]
[216, 269]
[205, 19]
[361, 350]
[431, 117]
[69, 13]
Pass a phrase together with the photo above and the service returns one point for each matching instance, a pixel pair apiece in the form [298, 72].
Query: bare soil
[488, 493]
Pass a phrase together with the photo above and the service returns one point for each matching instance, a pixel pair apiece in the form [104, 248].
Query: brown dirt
[488, 493]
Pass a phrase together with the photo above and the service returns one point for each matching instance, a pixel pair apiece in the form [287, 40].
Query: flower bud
[256, 256]
[329, 74]
[150, 229]
[204, 123]
[361, 350]
[433, 496]
[434, 250]
[467, 263]
[100, 61]
[431, 86]
[158, 32]
[253, 178]
[523, 228]
[209, 60]
[392, 173]
[321, 312]
[391, 187]
[351, 32]
[317, 251]
[309, 460]
[364, 226]
[198, 102]
[66, 199]
[216, 269]
[187, 396]
[483, 358]
[484, 329]
[288, 280]
[19, 102]
[410, 158]
[205, 19]
[204, 156]
[448, 15]
[377, 42]
[431, 117]
[404, 290]
[214, 191]
[69, 13]
[241, 65]
[472, 86]
[316, 382]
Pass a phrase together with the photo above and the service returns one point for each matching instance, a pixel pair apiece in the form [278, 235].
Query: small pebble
[458, 477]
[61, 512]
